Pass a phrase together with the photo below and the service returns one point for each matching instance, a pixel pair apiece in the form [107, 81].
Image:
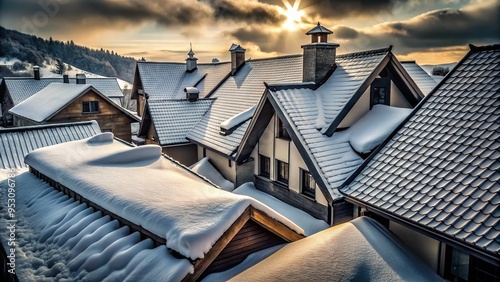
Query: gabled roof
[308, 112]
[174, 205]
[161, 80]
[424, 81]
[360, 250]
[239, 93]
[21, 88]
[17, 142]
[439, 171]
[173, 119]
[319, 29]
[49, 101]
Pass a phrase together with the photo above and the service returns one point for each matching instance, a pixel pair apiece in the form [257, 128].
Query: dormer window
[380, 92]
[308, 184]
[282, 133]
[90, 107]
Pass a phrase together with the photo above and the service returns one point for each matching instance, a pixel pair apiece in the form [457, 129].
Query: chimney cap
[190, 53]
[319, 29]
[191, 90]
[236, 48]
[36, 67]
[80, 76]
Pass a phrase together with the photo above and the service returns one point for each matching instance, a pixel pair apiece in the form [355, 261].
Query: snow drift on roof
[49, 101]
[154, 192]
[308, 223]
[234, 121]
[205, 168]
[360, 250]
[375, 126]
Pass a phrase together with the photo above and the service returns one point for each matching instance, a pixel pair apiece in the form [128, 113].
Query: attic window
[231, 124]
[308, 185]
[282, 133]
[380, 92]
[90, 107]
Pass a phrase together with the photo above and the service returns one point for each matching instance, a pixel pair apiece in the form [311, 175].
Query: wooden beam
[274, 226]
[202, 264]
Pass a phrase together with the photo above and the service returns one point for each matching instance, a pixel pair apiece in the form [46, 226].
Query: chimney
[191, 63]
[319, 55]
[65, 78]
[81, 78]
[237, 57]
[192, 94]
[36, 72]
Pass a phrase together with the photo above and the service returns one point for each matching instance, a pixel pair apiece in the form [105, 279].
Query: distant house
[198, 228]
[435, 181]
[62, 102]
[17, 142]
[306, 138]
[14, 90]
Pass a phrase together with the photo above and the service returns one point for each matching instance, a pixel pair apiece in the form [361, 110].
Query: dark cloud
[344, 32]
[338, 9]
[269, 41]
[246, 11]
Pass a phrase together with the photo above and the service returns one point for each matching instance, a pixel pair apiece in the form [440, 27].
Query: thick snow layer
[147, 189]
[250, 261]
[205, 168]
[238, 119]
[375, 126]
[58, 239]
[361, 250]
[308, 223]
[48, 101]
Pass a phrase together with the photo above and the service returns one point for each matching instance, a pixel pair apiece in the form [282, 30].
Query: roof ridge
[368, 52]
[181, 63]
[45, 126]
[180, 100]
[492, 47]
[277, 57]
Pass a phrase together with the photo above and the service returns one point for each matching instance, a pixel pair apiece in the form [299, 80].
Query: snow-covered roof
[239, 93]
[59, 238]
[423, 80]
[308, 223]
[360, 250]
[440, 170]
[161, 80]
[205, 168]
[147, 189]
[21, 88]
[49, 101]
[310, 113]
[17, 142]
[173, 119]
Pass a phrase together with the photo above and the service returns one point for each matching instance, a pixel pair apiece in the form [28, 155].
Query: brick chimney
[65, 78]
[81, 78]
[36, 72]
[319, 55]
[191, 63]
[237, 57]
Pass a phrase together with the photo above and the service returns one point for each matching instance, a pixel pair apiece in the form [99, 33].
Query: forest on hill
[35, 50]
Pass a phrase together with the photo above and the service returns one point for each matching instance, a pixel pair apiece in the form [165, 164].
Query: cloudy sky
[430, 32]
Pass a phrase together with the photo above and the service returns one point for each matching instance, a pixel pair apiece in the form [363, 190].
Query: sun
[293, 15]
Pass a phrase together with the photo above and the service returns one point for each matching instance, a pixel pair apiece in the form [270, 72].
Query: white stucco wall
[222, 164]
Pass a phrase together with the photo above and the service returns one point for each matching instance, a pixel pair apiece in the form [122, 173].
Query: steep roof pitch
[173, 119]
[17, 142]
[239, 93]
[424, 81]
[162, 80]
[21, 88]
[439, 172]
[49, 101]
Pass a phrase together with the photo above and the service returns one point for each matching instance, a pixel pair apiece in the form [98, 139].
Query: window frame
[286, 171]
[90, 108]
[381, 82]
[264, 160]
[305, 188]
[281, 131]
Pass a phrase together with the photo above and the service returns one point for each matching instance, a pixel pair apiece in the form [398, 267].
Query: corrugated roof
[441, 169]
[240, 92]
[173, 119]
[423, 80]
[21, 88]
[167, 80]
[16, 143]
[305, 109]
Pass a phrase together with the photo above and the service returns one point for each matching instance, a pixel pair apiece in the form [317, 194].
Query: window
[90, 106]
[282, 133]
[380, 92]
[107, 130]
[265, 166]
[308, 184]
[464, 267]
[282, 172]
